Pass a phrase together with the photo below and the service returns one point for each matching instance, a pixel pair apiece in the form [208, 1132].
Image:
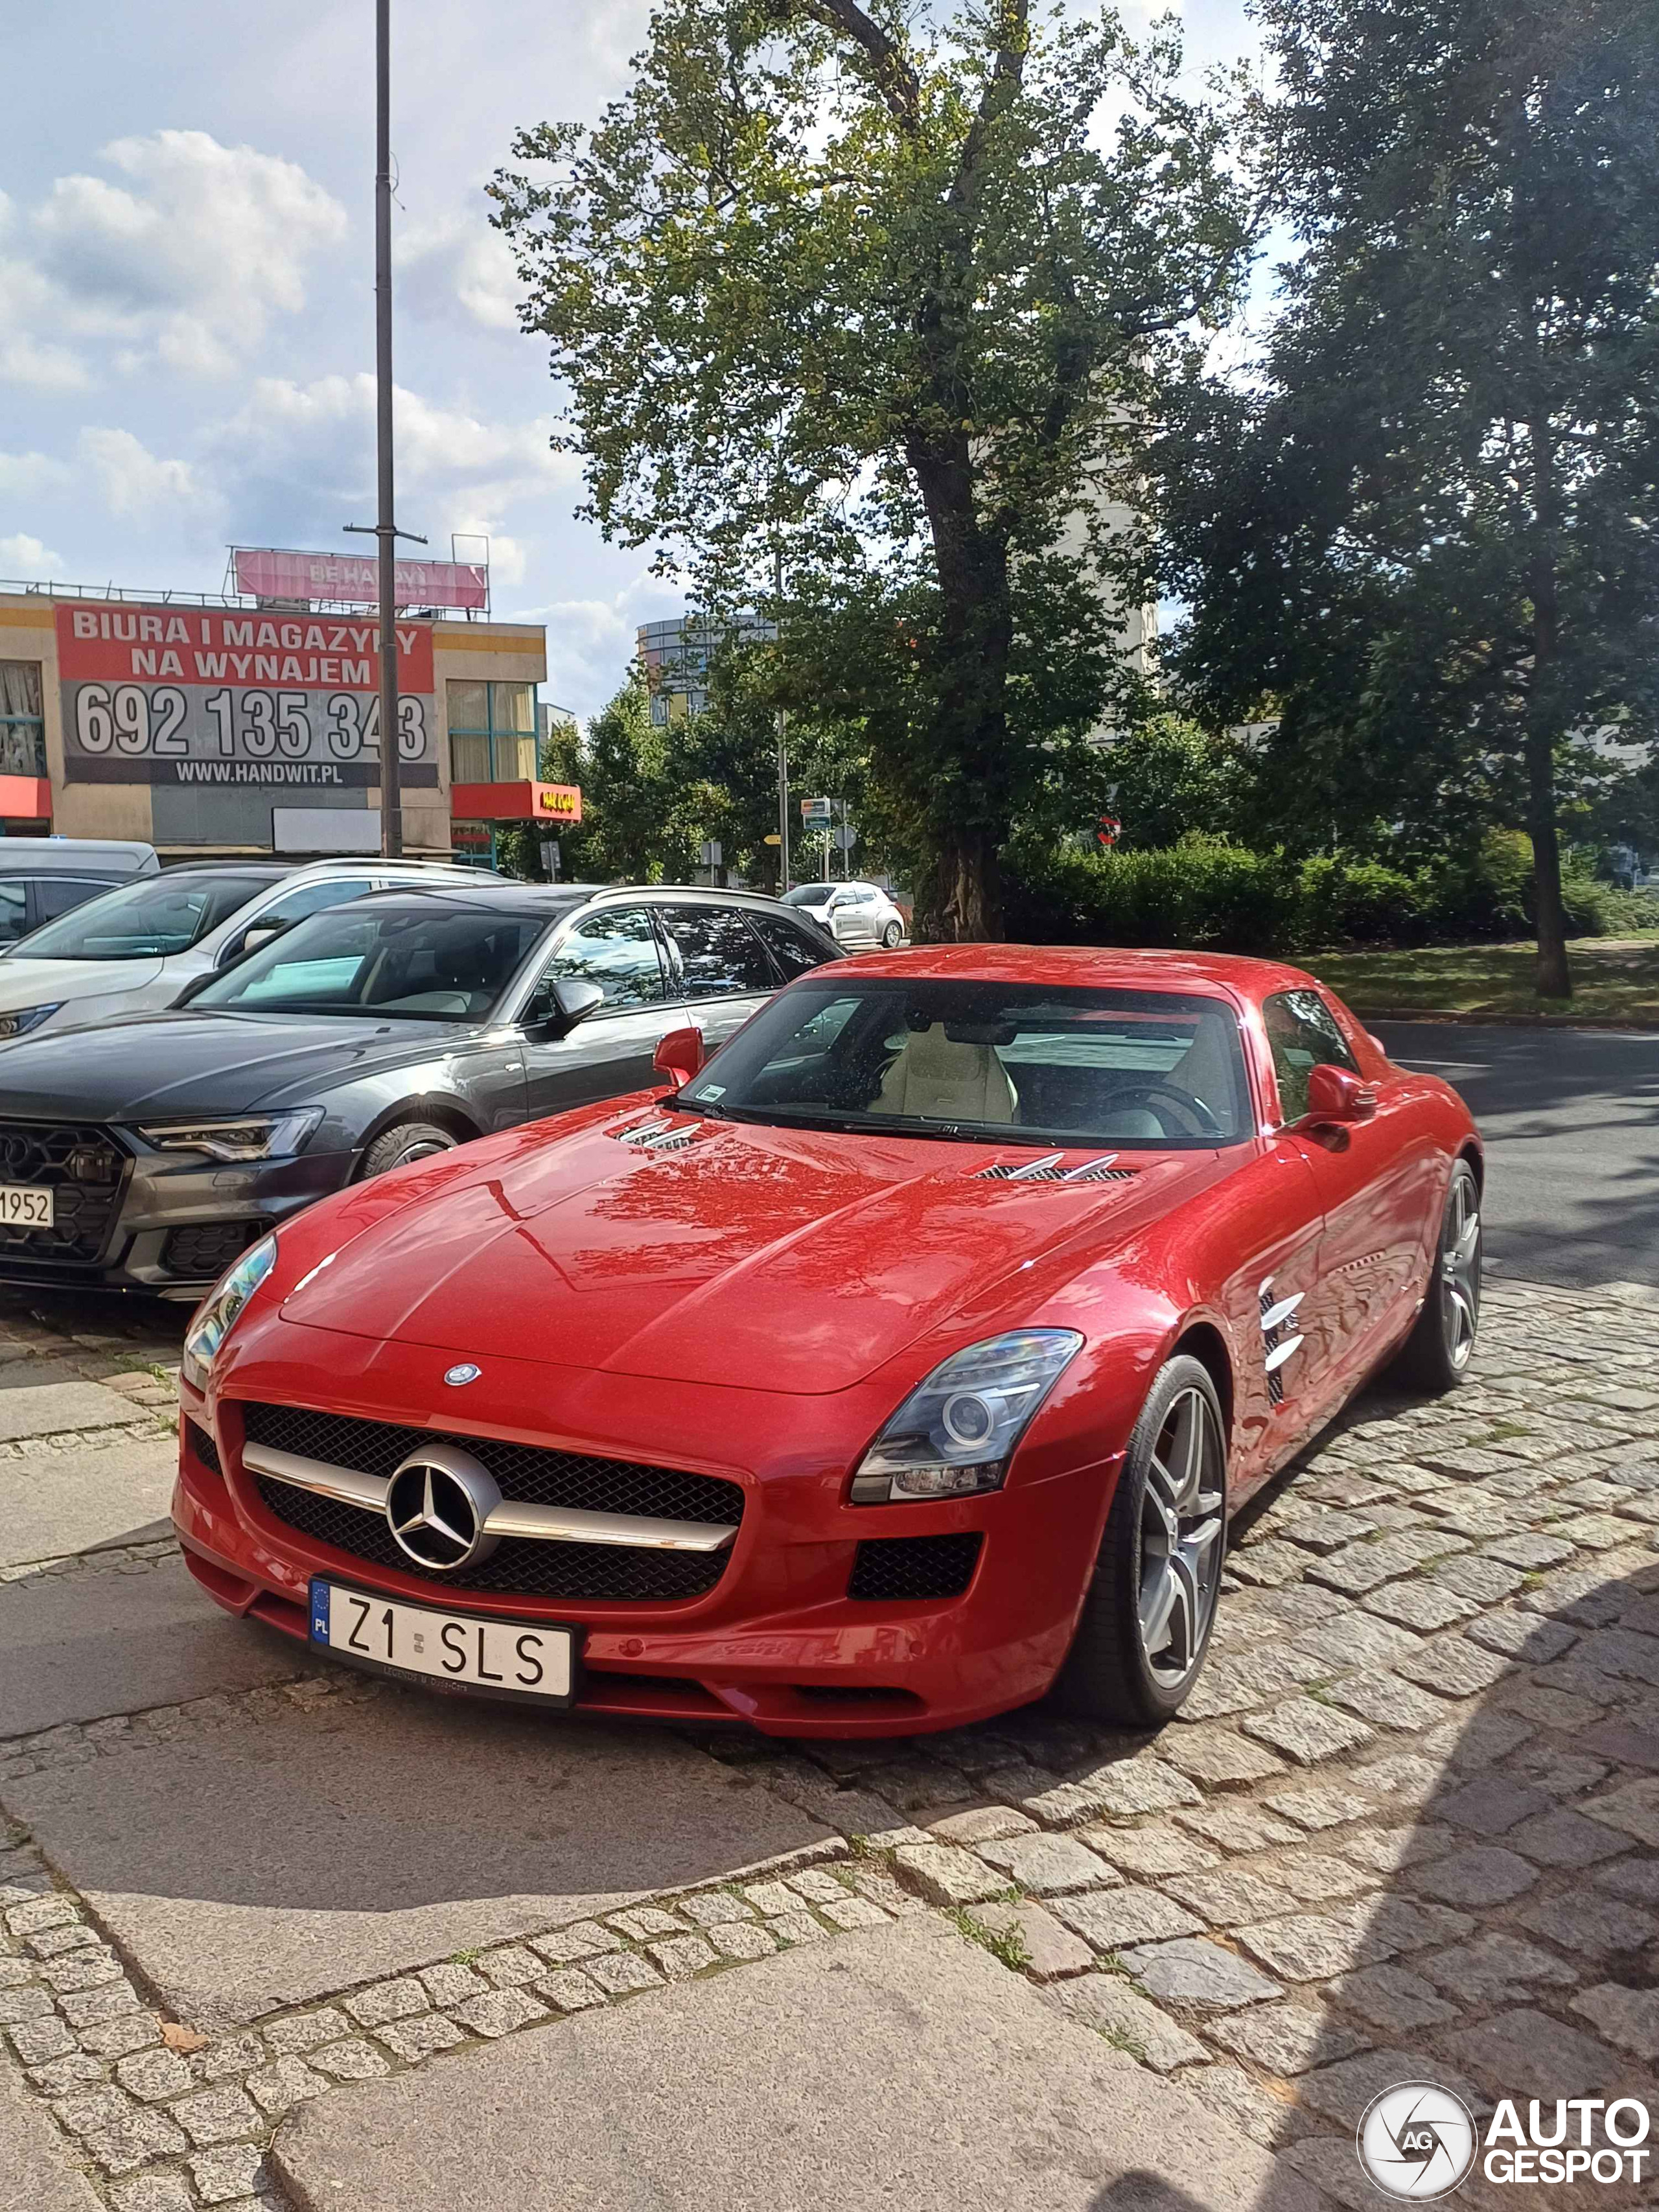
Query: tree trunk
[1554, 979]
[959, 899]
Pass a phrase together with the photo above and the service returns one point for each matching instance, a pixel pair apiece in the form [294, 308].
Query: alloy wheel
[1460, 1271]
[1182, 1515]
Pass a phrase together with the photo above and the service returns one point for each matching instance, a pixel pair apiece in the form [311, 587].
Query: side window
[718, 952]
[14, 905]
[794, 949]
[1303, 1033]
[311, 898]
[55, 895]
[616, 949]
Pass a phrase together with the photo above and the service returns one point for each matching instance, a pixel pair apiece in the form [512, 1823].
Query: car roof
[122, 855]
[507, 898]
[1206, 975]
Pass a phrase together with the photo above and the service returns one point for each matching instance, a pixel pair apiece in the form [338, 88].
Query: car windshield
[390, 962]
[809, 893]
[145, 920]
[1021, 1063]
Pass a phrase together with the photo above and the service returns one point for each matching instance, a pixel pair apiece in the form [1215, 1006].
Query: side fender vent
[1050, 1169]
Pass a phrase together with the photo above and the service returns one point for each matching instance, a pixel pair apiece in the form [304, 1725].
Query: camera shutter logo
[1417, 2141]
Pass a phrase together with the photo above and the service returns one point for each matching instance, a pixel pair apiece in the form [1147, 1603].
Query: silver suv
[136, 948]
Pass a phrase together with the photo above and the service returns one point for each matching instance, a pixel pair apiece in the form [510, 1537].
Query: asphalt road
[1571, 1122]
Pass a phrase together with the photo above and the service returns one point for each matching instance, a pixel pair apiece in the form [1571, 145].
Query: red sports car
[896, 1367]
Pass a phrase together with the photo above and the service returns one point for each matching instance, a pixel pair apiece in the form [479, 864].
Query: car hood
[39, 983]
[766, 1258]
[145, 1066]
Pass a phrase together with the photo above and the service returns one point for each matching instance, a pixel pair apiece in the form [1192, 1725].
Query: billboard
[211, 697]
[265, 572]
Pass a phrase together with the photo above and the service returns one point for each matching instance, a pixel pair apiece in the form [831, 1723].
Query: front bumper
[779, 1643]
[162, 1223]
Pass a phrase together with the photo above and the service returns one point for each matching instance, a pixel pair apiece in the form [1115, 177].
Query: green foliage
[1173, 777]
[890, 296]
[1204, 894]
[1430, 524]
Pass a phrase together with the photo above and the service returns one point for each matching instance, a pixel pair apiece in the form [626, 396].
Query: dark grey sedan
[147, 1153]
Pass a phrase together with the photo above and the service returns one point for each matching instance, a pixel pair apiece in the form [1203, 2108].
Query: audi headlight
[222, 1308]
[22, 1019]
[250, 1137]
[955, 1434]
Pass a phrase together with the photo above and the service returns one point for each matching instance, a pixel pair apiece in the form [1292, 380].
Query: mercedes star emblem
[466, 1372]
[438, 1506]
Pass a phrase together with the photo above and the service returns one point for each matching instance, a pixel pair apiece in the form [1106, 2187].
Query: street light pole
[385, 528]
[386, 531]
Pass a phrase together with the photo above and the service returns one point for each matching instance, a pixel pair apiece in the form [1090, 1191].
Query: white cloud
[459, 258]
[25, 558]
[464, 472]
[180, 265]
[32, 476]
[131, 479]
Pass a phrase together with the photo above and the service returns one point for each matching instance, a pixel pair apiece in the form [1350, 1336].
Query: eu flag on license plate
[320, 1612]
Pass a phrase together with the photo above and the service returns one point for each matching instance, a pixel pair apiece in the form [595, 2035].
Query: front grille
[206, 1249]
[526, 1474]
[914, 1567]
[204, 1448]
[83, 1168]
[519, 1566]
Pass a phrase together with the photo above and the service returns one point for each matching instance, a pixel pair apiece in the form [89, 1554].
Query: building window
[492, 733]
[22, 726]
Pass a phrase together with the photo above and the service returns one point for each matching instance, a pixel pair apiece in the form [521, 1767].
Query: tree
[890, 301]
[1433, 527]
[642, 815]
[1171, 778]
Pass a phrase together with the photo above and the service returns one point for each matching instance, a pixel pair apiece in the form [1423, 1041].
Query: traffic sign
[773, 839]
[818, 810]
[1109, 831]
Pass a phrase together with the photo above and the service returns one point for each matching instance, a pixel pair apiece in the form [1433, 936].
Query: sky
[187, 296]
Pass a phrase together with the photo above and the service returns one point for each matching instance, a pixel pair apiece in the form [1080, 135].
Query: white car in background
[136, 948]
[854, 914]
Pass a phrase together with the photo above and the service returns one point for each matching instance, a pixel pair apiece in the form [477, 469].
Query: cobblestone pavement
[1405, 1828]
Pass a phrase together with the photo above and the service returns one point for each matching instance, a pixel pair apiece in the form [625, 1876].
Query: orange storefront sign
[559, 803]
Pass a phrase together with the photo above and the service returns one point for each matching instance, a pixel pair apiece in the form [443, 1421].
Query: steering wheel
[1193, 1117]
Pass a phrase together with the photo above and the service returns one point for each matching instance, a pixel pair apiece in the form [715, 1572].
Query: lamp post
[385, 529]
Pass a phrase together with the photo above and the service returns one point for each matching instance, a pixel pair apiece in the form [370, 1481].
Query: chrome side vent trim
[1280, 1339]
[1048, 1169]
[661, 1136]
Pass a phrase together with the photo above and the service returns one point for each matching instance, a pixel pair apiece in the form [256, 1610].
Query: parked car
[146, 1154]
[137, 947]
[901, 1364]
[856, 915]
[41, 877]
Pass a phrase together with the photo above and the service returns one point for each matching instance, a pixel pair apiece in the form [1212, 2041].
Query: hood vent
[661, 1136]
[1050, 1169]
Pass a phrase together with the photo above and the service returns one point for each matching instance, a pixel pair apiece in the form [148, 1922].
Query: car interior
[1075, 1066]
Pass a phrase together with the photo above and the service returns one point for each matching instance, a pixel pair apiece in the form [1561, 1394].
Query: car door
[719, 970]
[611, 1050]
[1377, 1185]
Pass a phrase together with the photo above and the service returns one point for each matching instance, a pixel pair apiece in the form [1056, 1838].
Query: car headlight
[222, 1308]
[22, 1019]
[955, 1434]
[251, 1137]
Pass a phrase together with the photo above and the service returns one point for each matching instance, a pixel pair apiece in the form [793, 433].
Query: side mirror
[1336, 1094]
[680, 1055]
[253, 938]
[573, 999]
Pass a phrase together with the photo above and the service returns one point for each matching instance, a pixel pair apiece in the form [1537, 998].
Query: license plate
[461, 1651]
[25, 1206]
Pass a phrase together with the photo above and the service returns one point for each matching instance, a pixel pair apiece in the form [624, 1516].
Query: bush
[1204, 894]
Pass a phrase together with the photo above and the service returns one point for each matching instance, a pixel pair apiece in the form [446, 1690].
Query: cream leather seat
[943, 1081]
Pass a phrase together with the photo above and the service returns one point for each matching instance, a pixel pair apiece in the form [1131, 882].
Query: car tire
[1146, 1623]
[893, 936]
[403, 1142]
[1435, 1356]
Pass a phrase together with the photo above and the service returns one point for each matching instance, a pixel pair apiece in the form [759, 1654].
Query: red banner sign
[112, 642]
[265, 573]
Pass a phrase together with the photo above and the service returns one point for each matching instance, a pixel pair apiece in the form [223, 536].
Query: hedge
[1206, 895]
